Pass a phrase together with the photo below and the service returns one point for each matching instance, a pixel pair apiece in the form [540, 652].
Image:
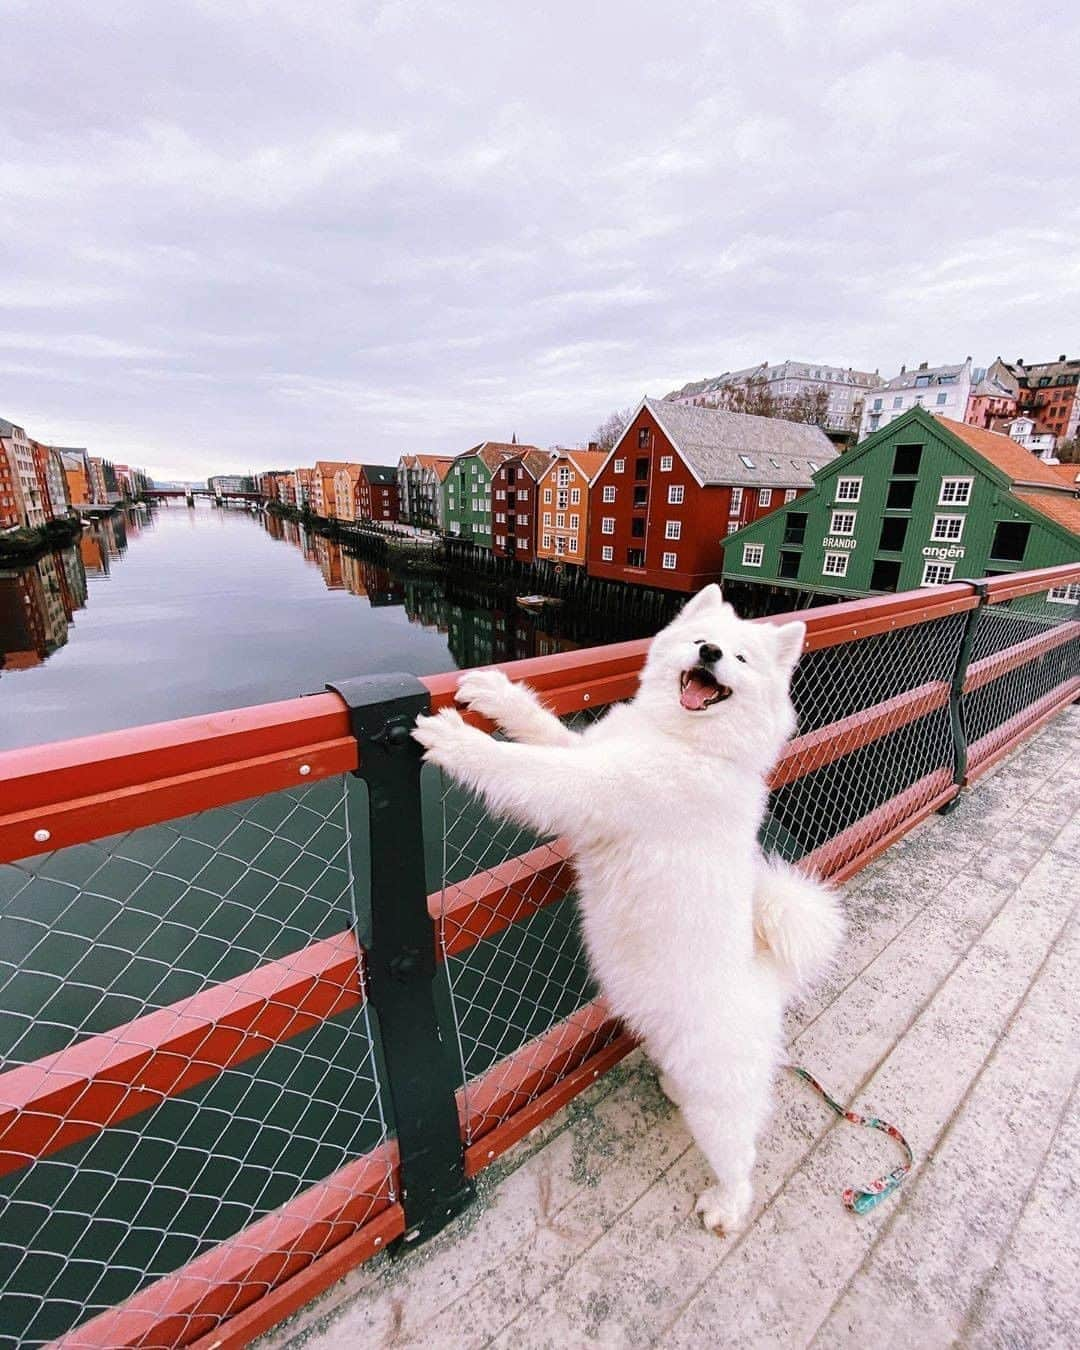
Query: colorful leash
[864, 1197]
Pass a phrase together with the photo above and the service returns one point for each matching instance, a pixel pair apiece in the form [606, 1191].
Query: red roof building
[514, 500]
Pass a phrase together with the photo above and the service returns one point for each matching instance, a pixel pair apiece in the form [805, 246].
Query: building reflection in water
[477, 634]
[39, 600]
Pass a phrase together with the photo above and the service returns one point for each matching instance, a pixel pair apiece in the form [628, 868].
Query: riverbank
[24, 545]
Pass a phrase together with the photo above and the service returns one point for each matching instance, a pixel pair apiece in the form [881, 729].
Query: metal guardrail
[272, 993]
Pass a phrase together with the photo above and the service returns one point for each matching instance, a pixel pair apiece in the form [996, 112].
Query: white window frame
[607, 553]
[620, 466]
[836, 559]
[547, 517]
[562, 475]
[848, 483]
[753, 555]
[732, 526]
[608, 494]
[834, 528]
[547, 496]
[790, 494]
[669, 562]
[575, 496]
[675, 494]
[500, 496]
[764, 496]
[935, 565]
[667, 463]
[560, 520]
[547, 541]
[573, 543]
[607, 525]
[523, 495]
[523, 520]
[947, 483]
[736, 501]
[673, 529]
[575, 520]
[1068, 594]
[940, 530]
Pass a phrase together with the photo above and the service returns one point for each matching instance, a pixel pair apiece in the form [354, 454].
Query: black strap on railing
[401, 952]
[956, 690]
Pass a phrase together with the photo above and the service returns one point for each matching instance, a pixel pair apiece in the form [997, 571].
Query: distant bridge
[160, 493]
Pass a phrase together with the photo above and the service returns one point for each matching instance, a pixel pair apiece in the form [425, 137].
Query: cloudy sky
[249, 233]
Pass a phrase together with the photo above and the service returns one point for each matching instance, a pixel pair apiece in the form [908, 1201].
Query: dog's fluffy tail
[797, 921]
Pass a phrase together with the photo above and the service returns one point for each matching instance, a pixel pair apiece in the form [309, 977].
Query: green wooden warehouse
[466, 490]
[919, 503]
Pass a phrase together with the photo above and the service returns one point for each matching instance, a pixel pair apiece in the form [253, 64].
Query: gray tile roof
[377, 474]
[743, 450]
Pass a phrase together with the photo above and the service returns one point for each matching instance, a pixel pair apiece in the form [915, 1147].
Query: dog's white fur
[695, 939]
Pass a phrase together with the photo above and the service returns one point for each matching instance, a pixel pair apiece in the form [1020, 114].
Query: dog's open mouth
[698, 689]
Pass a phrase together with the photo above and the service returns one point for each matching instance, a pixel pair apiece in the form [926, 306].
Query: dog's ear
[788, 641]
[709, 597]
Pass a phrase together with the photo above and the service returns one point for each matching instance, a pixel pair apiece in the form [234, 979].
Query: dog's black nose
[708, 654]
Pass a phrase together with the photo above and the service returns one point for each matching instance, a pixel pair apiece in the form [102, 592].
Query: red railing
[63, 794]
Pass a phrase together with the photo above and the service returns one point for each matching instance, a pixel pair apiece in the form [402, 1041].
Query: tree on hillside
[753, 396]
[1069, 451]
[611, 428]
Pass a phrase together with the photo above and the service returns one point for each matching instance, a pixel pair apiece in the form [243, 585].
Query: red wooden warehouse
[680, 479]
[515, 492]
[377, 493]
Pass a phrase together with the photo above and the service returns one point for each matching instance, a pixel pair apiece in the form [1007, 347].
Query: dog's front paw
[489, 693]
[724, 1211]
[447, 738]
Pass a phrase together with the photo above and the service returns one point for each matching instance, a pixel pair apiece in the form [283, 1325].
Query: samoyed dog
[696, 940]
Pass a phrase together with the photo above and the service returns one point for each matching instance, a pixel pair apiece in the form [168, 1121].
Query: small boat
[535, 602]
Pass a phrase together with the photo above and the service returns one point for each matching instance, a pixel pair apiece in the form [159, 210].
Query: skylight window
[747, 461]
[813, 466]
[774, 462]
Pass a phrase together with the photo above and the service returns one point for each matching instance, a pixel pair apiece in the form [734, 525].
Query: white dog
[661, 802]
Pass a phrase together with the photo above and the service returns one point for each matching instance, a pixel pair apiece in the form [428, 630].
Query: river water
[152, 616]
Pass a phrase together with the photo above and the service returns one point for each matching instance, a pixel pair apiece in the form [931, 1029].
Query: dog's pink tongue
[696, 694]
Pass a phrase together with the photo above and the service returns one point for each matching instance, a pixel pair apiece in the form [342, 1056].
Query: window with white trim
[547, 541]
[607, 525]
[848, 489]
[736, 501]
[937, 573]
[575, 496]
[620, 466]
[500, 496]
[675, 494]
[523, 495]
[948, 528]
[500, 540]
[560, 543]
[562, 475]
[843, 522]
[575, 520]
[732, 526]
[523, 520]
[836, 564]
[1064, 595]
[500, 518]
[764, 497]
[752, 555]
[668, 562]
[673, 529]
[790, 494]
[547, 496]
[667, 463]
[573, 543]
[560, 520]
[955, 491]
[561, 499]
[609, 493]
[476, 503]
[607, 554]
[547, 517]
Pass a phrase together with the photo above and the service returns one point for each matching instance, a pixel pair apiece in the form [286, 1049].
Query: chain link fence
[95, 936]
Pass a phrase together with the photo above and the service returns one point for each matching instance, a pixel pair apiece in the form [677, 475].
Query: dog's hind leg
[725, 1128]
[514, 708]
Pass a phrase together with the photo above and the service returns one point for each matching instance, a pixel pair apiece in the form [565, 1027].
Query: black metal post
[956, 692]
[401, 954]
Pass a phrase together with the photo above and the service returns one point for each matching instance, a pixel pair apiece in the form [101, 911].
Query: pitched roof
[535, 462]
[1060, 508]
[1069, 473]
[1020, 465]
[492, 453]
[431, 461]
[588, 462]
[325, 467]
[743, 449]
[379, 474]
[1029, 376]
[932, 375]
[442, 468]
